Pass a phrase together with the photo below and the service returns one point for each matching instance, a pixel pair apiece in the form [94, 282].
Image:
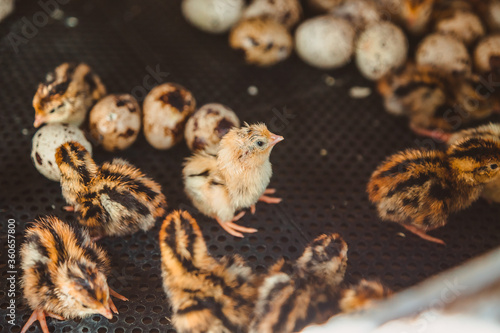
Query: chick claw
[234, 229]
[39, 315]
[420, 233]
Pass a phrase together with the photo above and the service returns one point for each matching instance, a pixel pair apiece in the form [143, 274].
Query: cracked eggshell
[165, 111]
[263, 41]
[325, 41]
[381, 48]
[208, 125]
[286, 12]
[463, 25]
[445, 53]
[115, 121]
[45, 142]
[213, 16]
[486, 48]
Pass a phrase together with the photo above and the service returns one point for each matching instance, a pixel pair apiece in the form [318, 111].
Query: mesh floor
[332, 145]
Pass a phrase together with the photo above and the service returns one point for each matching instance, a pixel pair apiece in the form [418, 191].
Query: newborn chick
[235, 178]
[67, 94]
[287, 302]
[64, 274]
[114, 199]
[207, 295]
[419, 188]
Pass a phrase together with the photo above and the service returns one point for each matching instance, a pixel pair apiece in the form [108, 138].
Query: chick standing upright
[419, 188]
[64, 274]
[235, 178]
[114, 199]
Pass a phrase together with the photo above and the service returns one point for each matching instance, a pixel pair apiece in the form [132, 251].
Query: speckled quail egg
[213, 16]
[463, 25]
[445, 53]
[208, 125]
[324, 5]
[485, 49]
[6, 7]
[381, 48]
[286, 12]
[166, 109]
[325, 41]
[491, 14]
[45, 142]
[115, 121]
[360, 13]
[263, 41]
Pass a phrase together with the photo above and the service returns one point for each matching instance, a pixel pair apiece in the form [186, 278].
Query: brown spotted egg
[263, 41]
[208, 125]
[166, 109]
[45, 142]
[115, 121]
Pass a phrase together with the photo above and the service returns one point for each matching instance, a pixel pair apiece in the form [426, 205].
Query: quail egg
[487, 48]
[166, 109]
[208, 125]
[263, 41]
[325, 41]
[445, 53]
[360, 13]
[381, 48]
[286, 12]
[213, 16]
[115, 121]
[463, 25]
[45, 142]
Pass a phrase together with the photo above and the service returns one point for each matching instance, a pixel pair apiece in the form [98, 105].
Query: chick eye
[260, 143]
[52, 111]
[493, 166]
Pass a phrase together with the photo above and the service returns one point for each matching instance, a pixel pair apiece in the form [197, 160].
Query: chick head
[75, 161]
[251, 145]
[414, 12]
[325, 259]
[476, 159]
[85, 286]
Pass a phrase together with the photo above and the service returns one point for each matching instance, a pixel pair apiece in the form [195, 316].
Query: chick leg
[115, 294]
[420, 233]
[69, 208]
[39, 315]
[437, 134]
[233, 228]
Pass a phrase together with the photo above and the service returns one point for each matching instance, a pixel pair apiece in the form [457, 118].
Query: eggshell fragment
[166, 109]
[45, 142]
[486, 49]
[208, 125]
[115, 121]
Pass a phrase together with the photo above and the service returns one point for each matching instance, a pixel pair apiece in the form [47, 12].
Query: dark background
[119, 40]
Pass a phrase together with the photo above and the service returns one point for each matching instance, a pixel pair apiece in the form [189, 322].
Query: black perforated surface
[323, 191]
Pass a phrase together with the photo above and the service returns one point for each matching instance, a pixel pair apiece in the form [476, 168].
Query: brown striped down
[362, 295]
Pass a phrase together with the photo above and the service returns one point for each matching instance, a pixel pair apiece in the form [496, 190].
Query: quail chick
[64, 274]
[235, 178]
[67, 94]
[419, 188]
[114, 199]
[414, 15]
[207, 295]
[288, 302]
[362, 295]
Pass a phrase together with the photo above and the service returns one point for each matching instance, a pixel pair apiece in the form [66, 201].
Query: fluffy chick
[419, 188]
[67, 94]
[414, 15]
[288, 302]
[114, 199]
[362, 295]
[235, 178]
[64, 274]
[207, 295]
[434, 101]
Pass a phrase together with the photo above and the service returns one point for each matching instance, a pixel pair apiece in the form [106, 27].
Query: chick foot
[437, 134]
[39, 315]
[115, 294]
[233, 228]
[69, 208]
[266, 199]
[420, 233]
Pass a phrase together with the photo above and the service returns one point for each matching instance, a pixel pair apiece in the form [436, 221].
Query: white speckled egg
[214, 16]
[263, 41]
[325, 41]
[166, 109]
[45, 142]
[463, 25]
[286, 12]
[208, 125]
[360, 13]
[487, 48]
[381, 48]
[115, 121]
[445, 53]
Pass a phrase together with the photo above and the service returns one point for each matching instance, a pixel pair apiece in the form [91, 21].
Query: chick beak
[275, 139]
[39, 120]
[106, 312]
